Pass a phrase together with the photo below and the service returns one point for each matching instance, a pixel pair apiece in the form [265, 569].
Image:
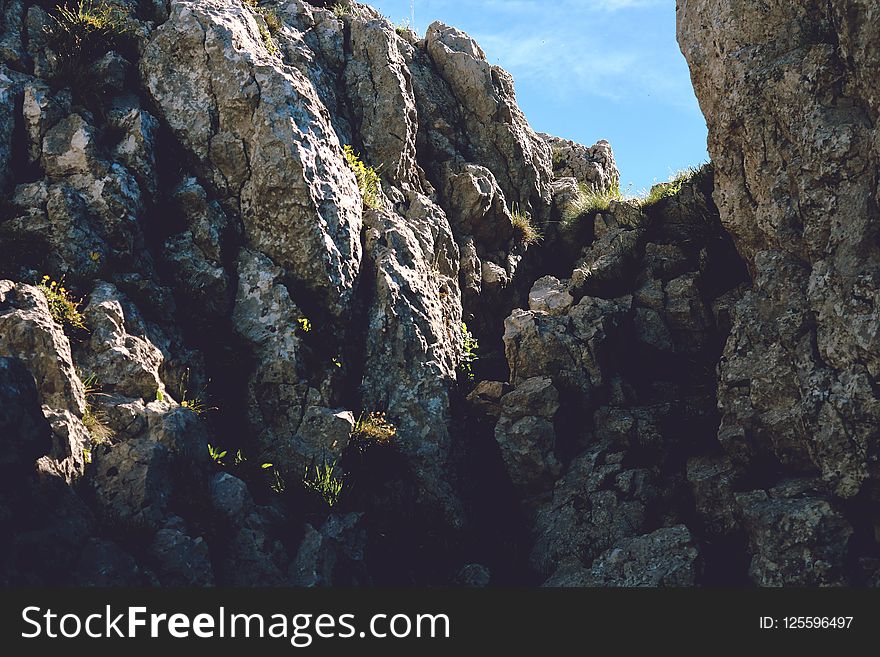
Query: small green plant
[80, 33]
[368, 180]
[160, 396]
[277, 484]
[469, 347]
[673, 185]
[590, 201]
[272, 21]
[527, 233]
[341, 9]
[62, 306]
[558, 159]
[404, 28]
[273, 25]
[268, 41]
[195, 405]
[372, 429]
[304, 324]
[94, 420]
[217, 455]
[324, 482]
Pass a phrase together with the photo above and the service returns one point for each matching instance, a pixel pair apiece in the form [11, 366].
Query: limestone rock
[181, 560]
[123, 363]
[593, 166]
[70, 438]
[796, 541]
[549, 295]
[525, 434]
[132, 482]
[414, 339]
[23, 428]
[27, 331]
[270, 147]
[332, 556]
[664, 558]
[796, 187]
[266, 318]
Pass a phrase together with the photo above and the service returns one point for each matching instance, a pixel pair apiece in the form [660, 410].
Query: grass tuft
[80, 33]
[94, 420]
[588, 202]
[323, 481]
[673, 186]
[526, 232]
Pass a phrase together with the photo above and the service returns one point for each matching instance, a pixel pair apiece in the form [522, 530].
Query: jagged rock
[41, 110]
[478, 207]
[69, 147]
[69, 438]
[796, 540]
[27, 331]
[230, 497]
[651, 330]
[195, 255]
[413, 343]
[58, 217]
[265, 317]
[321, 438]
[110, 72]
[592, 509]
[549, 295]
[102, 563]
[593, 166]
[253, 556]
[123, 364]
[11, 49]
[132, 483]
[795, 175]
[332, 556]
[664, 558]
[136, 148]
[685, 312]
[181, 560]
[712, 482]
[377, 75]
[473, 576]
[486, 396]
[181, 431]
[500, 134]
[8, 94]
[609, 263]
[23, 428]
[569, 348]
[271, 148]
[126, 418]
[526, 436]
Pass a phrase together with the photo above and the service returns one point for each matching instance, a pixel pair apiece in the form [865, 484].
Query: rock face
[266, 375]
[792, 133]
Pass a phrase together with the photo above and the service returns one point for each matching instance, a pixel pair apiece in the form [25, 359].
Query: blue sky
[588, 70]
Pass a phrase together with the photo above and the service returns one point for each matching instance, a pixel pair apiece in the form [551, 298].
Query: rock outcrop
[792, 122]
[249, 250]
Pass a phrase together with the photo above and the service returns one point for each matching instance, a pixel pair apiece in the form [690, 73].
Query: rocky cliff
[249, 250]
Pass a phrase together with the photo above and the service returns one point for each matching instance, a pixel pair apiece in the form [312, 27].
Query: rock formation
[247, 248]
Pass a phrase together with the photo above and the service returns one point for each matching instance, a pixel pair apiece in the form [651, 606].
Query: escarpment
[293, 297]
